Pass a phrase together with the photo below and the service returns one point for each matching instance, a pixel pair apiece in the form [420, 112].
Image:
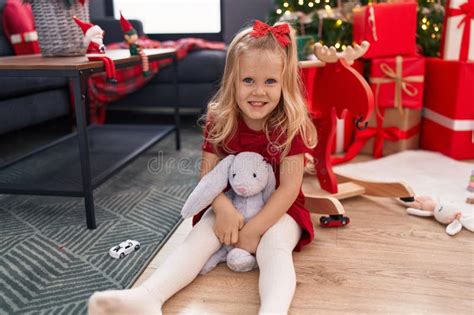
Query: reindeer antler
[325, 54]
[351, 54]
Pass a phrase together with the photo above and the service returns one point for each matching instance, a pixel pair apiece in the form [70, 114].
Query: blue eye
[248, 80]
[271, 81]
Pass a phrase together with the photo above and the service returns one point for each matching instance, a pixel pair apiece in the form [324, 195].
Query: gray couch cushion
[197, 67]
[24, 111]
[14, 87]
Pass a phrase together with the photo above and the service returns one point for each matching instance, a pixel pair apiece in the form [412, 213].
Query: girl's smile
[257, 104]
[258, 87]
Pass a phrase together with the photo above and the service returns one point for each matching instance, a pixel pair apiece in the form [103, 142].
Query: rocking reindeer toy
[339, 89]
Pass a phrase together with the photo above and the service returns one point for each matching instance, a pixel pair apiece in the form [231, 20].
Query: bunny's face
[248, 175]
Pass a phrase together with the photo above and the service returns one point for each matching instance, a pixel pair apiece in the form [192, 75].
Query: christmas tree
[430, 26]
[330, 22]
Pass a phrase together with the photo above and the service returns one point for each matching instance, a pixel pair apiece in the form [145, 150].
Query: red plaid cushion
[131, 79]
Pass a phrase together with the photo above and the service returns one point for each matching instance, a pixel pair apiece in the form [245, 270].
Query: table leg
[176, 106]
[82, 138]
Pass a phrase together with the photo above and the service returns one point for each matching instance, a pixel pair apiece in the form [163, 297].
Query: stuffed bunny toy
[447, 214]
[252, 182]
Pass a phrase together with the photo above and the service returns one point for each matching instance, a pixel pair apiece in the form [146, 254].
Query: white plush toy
[447, 214]
[252, 181]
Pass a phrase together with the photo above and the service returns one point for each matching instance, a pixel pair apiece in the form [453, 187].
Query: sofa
[198, 76]
[29, 101]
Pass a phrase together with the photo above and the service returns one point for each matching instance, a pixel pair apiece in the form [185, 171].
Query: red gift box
[398, 82]
[390, 28]
[458, 32]
[448, 125]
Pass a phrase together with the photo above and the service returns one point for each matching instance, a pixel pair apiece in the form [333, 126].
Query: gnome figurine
[93, 40]
[131, 37]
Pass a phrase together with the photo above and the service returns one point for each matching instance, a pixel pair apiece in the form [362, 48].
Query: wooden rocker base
[320, 201]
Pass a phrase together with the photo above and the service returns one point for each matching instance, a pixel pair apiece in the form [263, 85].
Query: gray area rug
[50, 263]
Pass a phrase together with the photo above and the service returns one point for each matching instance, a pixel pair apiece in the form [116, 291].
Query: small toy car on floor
[334, 220]
[124, 248]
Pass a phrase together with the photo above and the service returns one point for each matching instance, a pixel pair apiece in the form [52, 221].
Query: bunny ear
[419, 212]
[210, 186]
[271, 183]
[454, 227]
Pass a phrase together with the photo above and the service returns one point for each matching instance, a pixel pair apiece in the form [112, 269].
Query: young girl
[258, 108]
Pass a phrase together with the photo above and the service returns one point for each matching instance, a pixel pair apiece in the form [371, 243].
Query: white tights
[274, 255]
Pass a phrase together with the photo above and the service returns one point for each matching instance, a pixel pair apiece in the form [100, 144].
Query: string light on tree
[430, 22]
[330, 21]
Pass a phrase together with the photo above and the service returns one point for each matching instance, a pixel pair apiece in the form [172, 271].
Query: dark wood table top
[38, 62]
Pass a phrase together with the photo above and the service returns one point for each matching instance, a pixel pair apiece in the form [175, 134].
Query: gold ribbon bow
[402, 84]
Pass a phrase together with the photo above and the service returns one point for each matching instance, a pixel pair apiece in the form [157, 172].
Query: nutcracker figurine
[131, 37]
[93, 40]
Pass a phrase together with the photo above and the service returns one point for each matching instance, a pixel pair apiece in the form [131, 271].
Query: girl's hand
[249, 238]
[228, 223]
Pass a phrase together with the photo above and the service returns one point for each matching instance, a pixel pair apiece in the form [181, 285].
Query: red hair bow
[279, 31]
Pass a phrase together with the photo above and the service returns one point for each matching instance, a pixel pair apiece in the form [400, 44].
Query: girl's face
[258, 87]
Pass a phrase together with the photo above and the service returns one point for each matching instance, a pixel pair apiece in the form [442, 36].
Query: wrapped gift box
[400, 131]
[458, 32]
[389, 27]
[448, 123]
[388, 132]
[397, 82]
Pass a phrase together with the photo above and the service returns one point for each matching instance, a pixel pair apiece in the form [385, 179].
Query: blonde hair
[288, 118]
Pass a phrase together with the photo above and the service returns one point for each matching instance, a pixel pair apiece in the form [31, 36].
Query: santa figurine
[93, 40]
[131, 37]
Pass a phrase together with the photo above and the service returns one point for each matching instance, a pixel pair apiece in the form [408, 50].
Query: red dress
[250, 140]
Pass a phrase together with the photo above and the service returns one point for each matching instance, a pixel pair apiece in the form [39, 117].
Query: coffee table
[54, 169]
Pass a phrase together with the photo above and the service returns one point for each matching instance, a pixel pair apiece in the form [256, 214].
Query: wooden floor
[384, 262]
